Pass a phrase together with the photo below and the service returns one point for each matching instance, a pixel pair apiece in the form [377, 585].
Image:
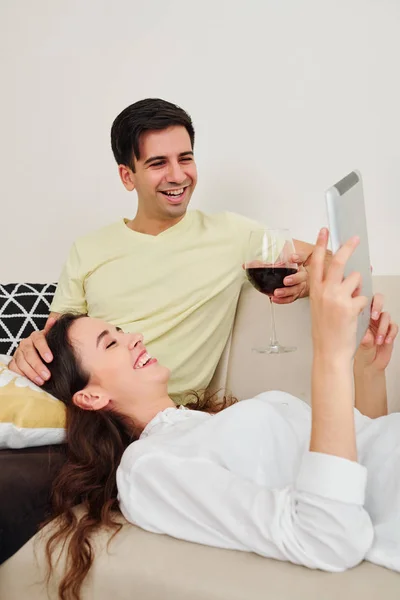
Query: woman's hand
[376, 348]
[335, 303]
[335, 306]
[371, 360]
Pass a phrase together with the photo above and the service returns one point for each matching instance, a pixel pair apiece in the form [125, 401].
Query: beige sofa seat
[153, 567]
[145, 566]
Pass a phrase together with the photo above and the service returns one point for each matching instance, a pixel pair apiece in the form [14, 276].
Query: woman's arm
[318, 522]
[371, 360]
[334, 313]
[333, 430]
[370, 392]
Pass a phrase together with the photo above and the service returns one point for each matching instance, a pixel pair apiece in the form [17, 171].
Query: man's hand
[296, 286]
[376, 348]
[28, 357]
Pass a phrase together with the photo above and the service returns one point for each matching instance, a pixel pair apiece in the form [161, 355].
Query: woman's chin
[164, 372]
[157, 372]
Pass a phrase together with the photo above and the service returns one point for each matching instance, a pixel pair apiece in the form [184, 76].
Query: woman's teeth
[143, 360]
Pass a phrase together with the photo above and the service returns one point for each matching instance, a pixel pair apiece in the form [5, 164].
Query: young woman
[318, 487]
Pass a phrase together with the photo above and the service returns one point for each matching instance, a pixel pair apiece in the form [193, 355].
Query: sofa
[138, 564]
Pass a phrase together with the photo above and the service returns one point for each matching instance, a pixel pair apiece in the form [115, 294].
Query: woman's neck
[141, 416]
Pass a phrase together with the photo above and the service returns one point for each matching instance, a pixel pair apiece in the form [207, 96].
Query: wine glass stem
[273, 340]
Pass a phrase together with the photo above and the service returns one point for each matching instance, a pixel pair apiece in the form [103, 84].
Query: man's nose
[175, 173]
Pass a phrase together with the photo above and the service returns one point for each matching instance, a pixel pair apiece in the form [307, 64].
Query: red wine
[267, 279]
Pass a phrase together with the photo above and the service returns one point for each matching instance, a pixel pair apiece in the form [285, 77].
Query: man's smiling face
[165, 174]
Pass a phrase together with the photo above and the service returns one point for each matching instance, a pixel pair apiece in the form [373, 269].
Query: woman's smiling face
[118, 363]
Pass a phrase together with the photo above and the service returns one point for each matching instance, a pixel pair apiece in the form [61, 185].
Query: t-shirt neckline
[178, 227]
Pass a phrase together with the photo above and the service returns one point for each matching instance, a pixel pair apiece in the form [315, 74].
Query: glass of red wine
[268, 262]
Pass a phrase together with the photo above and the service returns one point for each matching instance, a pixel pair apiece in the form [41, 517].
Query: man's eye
[110, 344]
[157, 164]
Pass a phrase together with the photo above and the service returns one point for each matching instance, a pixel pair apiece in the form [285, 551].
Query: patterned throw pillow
[28, 415]
[24, 308]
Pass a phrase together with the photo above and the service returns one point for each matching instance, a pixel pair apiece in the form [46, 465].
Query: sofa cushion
[29, 416]
[24, 308]
[26, 477]
[138, 564]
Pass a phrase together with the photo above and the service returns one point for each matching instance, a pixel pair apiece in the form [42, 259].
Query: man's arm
[33, 352]
[304, 249]
[53, 316]
[29, 355]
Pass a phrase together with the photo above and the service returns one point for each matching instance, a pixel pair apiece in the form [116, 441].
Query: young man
[171, 274]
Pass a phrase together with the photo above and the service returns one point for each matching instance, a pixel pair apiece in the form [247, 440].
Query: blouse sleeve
[319, 522]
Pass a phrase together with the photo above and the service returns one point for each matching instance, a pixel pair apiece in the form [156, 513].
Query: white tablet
[346, 214]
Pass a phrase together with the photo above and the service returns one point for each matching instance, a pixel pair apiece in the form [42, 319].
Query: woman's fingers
[317, 261]
[392, 333]
[368, 340]
[377, 306]
[335, 272]
[383, 328]
[359, 303]
[352, 284]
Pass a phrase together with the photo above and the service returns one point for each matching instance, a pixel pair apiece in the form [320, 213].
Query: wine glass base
[275, 349]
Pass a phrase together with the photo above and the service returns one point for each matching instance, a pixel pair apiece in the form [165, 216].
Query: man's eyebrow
[149, 160]
[153, 158]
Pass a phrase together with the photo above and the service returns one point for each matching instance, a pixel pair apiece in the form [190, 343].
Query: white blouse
[244, 479]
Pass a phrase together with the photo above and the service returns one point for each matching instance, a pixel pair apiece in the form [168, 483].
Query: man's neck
[151, 226]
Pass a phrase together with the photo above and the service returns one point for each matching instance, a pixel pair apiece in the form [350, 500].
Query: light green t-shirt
[179, 288]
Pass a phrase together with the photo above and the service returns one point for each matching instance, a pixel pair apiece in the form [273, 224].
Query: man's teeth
[144, 359]
[174, 192]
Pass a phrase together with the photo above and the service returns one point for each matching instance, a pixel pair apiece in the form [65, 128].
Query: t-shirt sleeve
[70, 293]
[319, 522]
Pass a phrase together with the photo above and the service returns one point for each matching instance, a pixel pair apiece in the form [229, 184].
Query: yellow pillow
[28, 415]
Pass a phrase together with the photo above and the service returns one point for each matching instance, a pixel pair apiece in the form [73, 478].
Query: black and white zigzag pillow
[24, 308]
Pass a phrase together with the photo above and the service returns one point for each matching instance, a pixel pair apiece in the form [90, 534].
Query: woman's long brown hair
[96, 441]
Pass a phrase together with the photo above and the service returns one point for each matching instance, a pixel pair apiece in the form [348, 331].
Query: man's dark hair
[150, 114]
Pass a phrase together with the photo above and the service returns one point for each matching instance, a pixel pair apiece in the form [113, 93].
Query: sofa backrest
[246, 373]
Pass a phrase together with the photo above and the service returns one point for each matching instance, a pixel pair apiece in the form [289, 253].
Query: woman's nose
[134, 339]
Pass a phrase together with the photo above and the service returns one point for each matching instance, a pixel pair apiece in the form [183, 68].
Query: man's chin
[176, 210]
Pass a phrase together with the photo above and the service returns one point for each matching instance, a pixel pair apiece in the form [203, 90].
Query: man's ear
[91, 399]
[127, 177]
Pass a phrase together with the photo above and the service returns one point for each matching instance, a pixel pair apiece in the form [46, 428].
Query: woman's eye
[110, 344]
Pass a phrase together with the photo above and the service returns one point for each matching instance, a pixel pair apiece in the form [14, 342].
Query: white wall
[287, 96]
